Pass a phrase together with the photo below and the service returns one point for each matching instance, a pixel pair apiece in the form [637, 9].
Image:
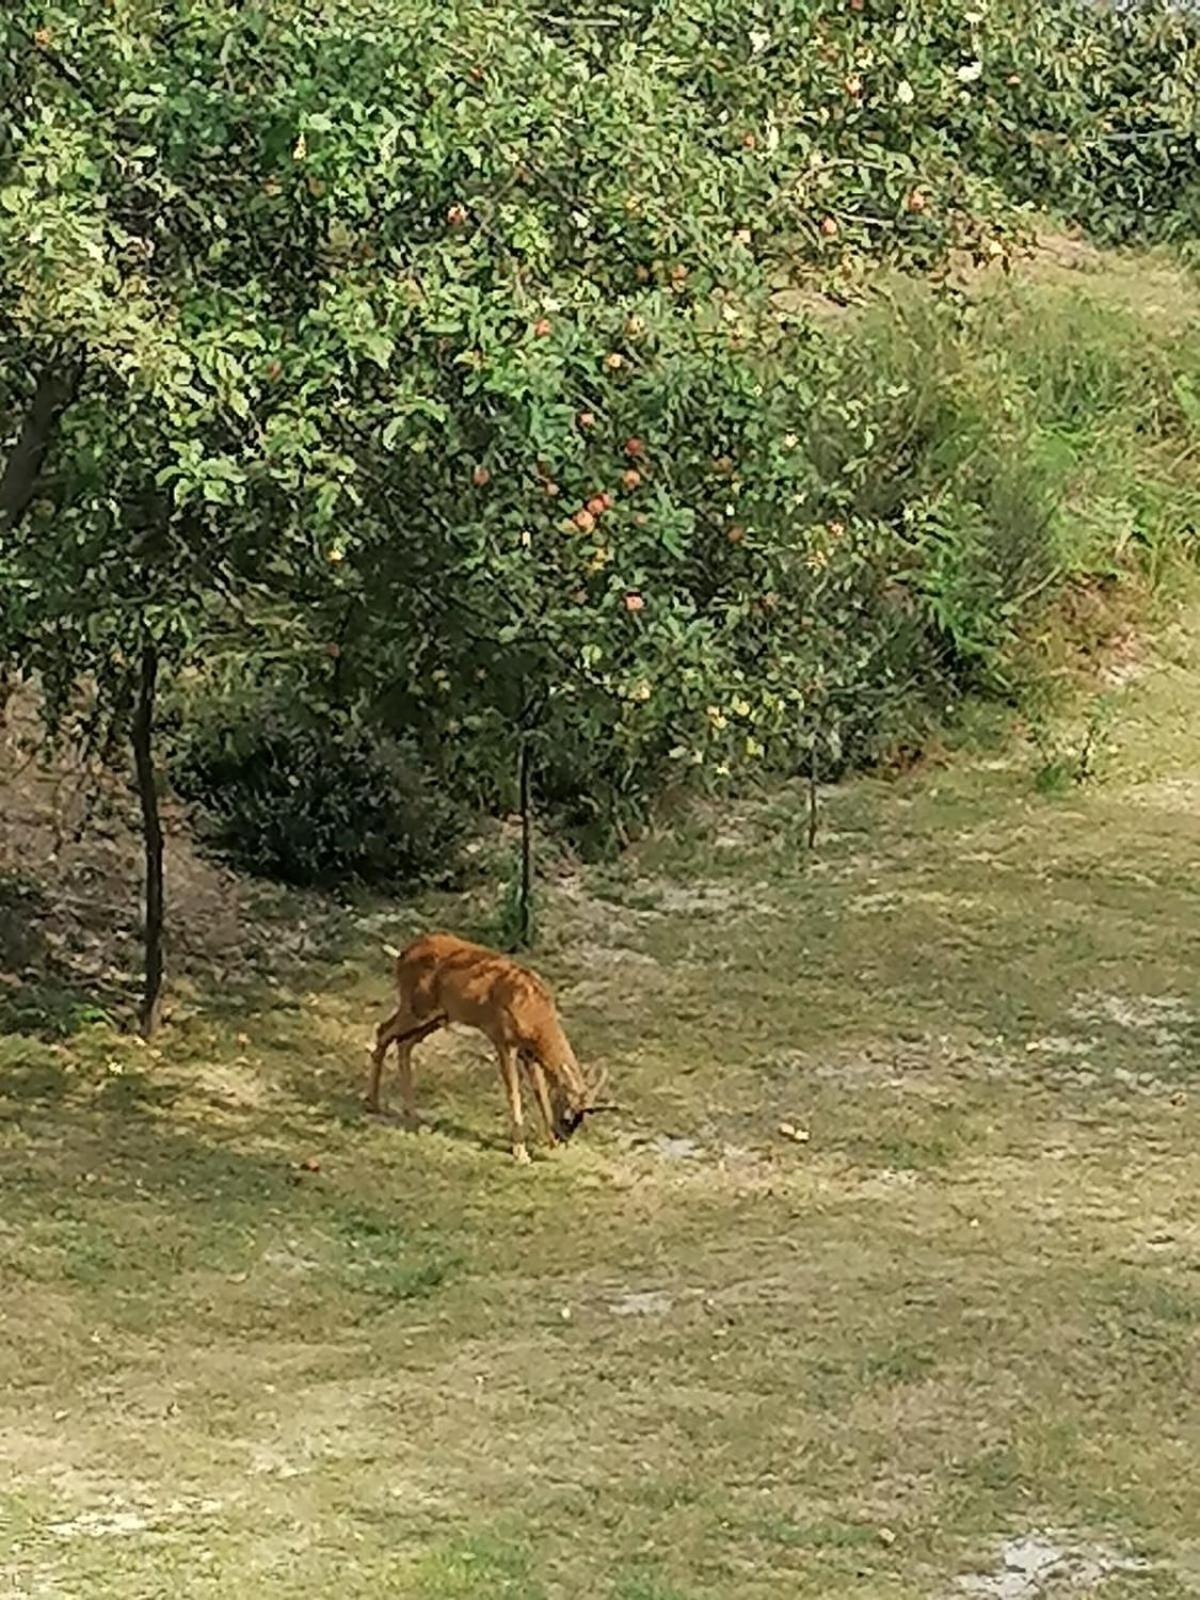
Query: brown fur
[442, 979]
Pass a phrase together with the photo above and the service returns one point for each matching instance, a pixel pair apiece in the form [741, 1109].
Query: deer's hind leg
[404, 1050]
[403, 1029]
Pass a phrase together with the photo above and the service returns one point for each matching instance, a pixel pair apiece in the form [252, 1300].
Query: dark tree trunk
[22, 473]
[142, 738]
[23, 470]
[525, 802]
[813, 809]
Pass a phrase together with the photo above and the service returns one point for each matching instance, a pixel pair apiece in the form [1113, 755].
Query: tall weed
[1037, 438]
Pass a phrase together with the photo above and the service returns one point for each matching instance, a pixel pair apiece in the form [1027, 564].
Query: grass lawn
[690, 1357]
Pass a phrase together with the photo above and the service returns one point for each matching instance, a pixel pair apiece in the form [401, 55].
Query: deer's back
[475, 986]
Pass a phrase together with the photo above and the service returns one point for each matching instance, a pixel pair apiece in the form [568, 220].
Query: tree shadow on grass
[491, 1143]
[53, 987]
[164, 1223]
[34, 1082]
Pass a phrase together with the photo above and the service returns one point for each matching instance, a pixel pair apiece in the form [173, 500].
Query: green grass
[479, 1568]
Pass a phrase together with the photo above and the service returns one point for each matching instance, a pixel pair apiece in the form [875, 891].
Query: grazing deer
[441, 979]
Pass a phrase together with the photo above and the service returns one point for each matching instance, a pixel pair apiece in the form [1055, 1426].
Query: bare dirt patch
[1037, 1564]
[70, 892]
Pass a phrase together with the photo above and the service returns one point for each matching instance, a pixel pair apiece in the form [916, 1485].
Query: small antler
[596, 1087]
[595, 1090]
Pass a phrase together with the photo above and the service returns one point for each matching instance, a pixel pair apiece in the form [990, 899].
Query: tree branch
[55, 389]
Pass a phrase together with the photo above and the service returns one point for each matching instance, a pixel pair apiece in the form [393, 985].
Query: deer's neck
[552, 1048]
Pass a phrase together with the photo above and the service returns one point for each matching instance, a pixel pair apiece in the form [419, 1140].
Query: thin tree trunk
[813, 803]
[142, 738]
[22, 472]
[525, 902]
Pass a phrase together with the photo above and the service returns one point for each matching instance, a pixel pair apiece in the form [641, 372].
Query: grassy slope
[724, 1364]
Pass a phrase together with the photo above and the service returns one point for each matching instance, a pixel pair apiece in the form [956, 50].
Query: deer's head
[577, 1096]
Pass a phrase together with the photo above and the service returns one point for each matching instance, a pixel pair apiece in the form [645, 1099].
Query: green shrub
[286, 796]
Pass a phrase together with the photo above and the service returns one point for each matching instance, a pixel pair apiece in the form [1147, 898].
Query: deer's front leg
[512, 1091]
[537, 1077]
